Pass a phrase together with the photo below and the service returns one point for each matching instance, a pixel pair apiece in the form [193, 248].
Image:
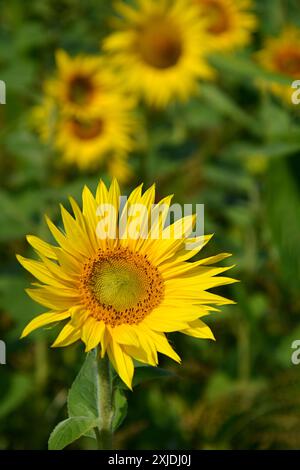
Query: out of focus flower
[160, 48]
[281, 55]
[228, 22]
[81, 83]
[86, 142]
[86, 116]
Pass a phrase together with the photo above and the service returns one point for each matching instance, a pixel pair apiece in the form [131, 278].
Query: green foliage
[283, 213]
[83, 398]
[83, 406]
[246, 69]
[83, 402]
[120, 406]
[84, 409]
[70, 430]
[234, 147]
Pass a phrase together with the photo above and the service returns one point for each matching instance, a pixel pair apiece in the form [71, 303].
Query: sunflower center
[288, 62]
[80, 90]
[116, 282]
[216, 15]
[159, 44]
[87, 129]
[120, 286]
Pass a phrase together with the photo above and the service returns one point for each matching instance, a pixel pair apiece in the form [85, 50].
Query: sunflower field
[189, 101]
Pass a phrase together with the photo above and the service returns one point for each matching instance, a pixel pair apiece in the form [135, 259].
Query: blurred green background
[234, 148]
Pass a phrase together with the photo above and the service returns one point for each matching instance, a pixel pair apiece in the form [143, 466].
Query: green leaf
[120, 408]
[196, 116]
[70, 430]
[281, 123]
[268, 151]
[243, 67]
[83, 398]
[227, 107]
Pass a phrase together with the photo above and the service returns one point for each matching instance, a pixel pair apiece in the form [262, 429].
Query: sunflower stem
[104, 432]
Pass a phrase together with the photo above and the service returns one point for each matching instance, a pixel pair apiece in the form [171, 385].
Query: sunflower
[228, 22]
[160, 49]
[87, 141]
[120, 288]
[82, 83]
[282, 55]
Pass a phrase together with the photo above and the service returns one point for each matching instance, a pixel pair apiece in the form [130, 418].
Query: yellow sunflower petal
[162, 324]
[67, 336]
[44, 319]
[139, 355]
[101, 193]
[68, 245]
[74, 231]
[53, 298]
[105, 342]
[191, 248]
[77, 212]
[38, 270]
[114, 202]
[92, 333]
[78, 316]
[56, 270]
[125, 334]
[147, 346]
[41, 246]
[122, 363]
[90, 214]
[69, 264]
[188, 269]
[198, 329]
[161, 343]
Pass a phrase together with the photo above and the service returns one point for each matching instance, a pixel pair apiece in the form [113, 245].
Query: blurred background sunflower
[85, 115]
[160, 48]
[281, 54]
[194, 95]
[228, 22]
[81, 83]
[85, 141]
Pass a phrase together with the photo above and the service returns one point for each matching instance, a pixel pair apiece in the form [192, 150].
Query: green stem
[104, 432]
